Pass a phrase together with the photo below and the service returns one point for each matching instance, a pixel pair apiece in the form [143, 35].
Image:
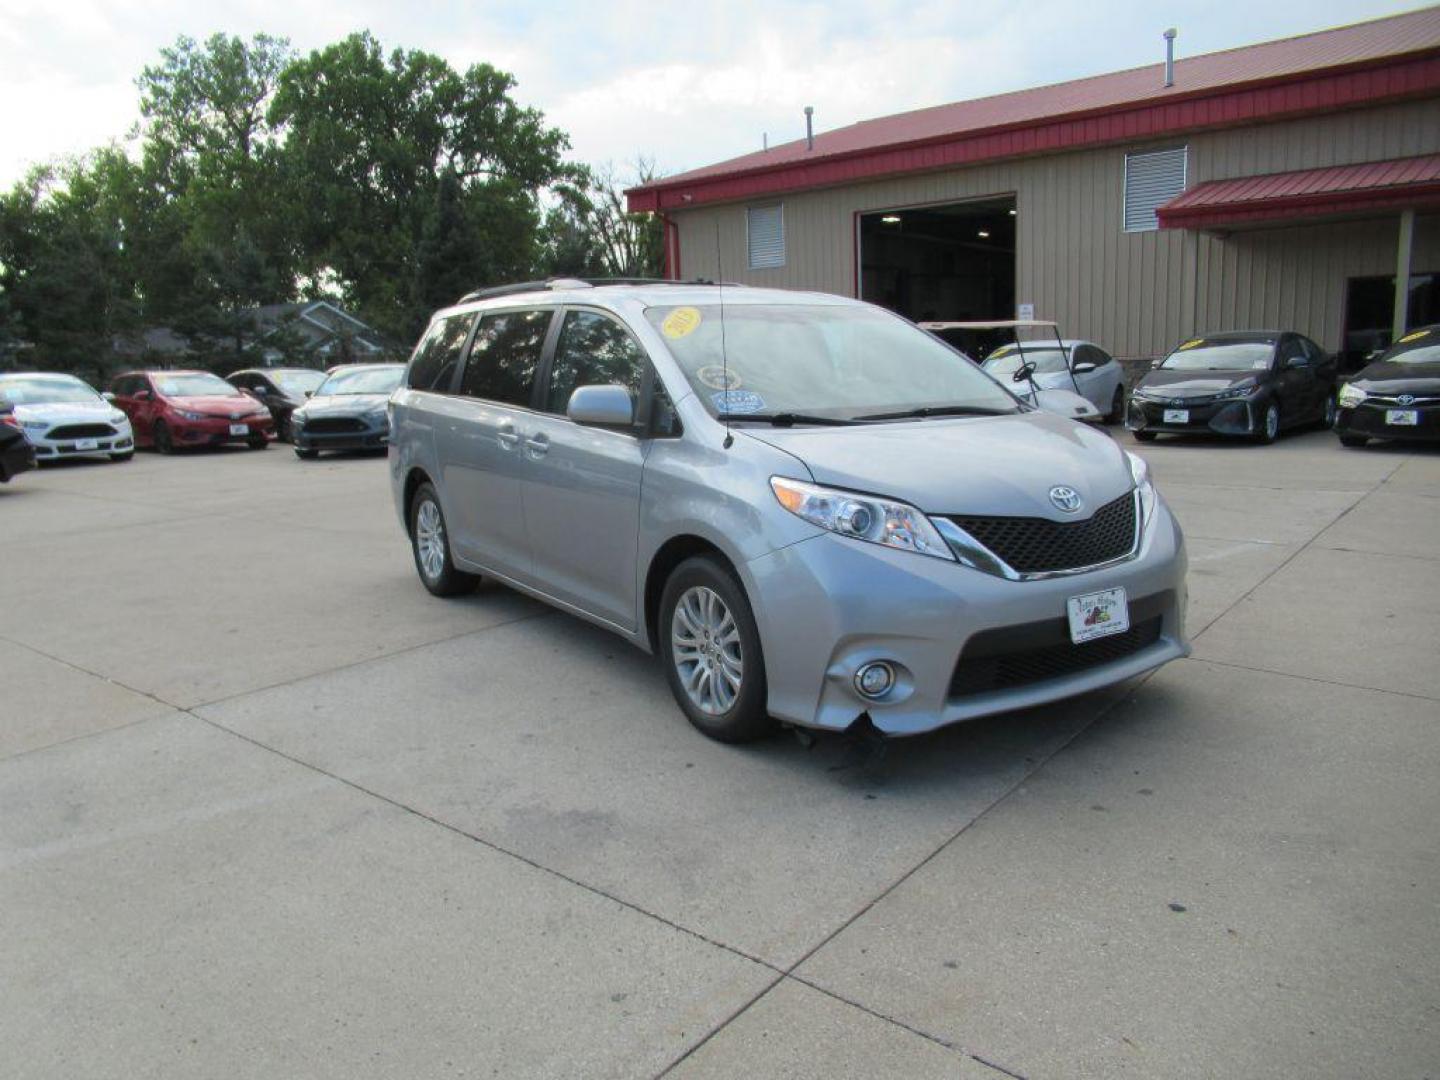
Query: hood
[344, 404]
[1388, 377]
[1002, 465]
[91, 412]
[217, 404]
[1195, 383]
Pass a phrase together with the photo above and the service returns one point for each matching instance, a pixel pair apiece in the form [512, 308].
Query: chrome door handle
[507, 436]
[538, 445]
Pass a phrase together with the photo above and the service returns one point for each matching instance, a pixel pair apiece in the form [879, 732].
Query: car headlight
[1350, 396]
[861, 517]
[119, 418]
[190, 415]
[1140, 473]
[1244, 390]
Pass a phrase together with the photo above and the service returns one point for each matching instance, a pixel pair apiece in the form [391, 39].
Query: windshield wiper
[937, 410]
[785, 419]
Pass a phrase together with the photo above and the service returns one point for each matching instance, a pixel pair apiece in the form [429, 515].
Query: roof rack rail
[578, 283]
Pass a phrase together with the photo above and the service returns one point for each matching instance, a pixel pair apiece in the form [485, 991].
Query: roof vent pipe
[1170, 57]
[809, 127]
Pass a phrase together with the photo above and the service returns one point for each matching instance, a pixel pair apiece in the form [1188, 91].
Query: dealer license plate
[1407, 417]
[1098, 614]
[87, 444]
[239, 429]
[1177, 416]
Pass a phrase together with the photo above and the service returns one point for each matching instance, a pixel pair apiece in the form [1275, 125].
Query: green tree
[588, 231]
[396, 154]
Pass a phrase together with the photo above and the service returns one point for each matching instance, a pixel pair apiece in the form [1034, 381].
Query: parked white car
[64, 417]
[1095, 373]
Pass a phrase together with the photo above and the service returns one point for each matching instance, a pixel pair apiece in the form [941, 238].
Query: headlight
[119, 418]
[190, 415]
[1236, 392]
[1140, 473]
[861, 517]
[1350, 396]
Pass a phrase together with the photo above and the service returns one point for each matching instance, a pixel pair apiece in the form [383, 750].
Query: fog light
[875, 679]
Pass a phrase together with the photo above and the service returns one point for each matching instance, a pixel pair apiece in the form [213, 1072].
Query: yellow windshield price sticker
[1416, 336]
[680, 323]
[1191, 344]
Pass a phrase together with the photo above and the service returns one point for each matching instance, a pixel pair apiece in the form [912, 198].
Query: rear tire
[430, 544]
[1144, 436]
[1117, 406]
[710, 648]
[160, 436]
[1354, 441]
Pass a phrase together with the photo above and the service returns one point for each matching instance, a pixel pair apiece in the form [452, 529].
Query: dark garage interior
[953, 262]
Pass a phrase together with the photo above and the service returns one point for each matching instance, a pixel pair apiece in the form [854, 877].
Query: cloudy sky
[684, 84]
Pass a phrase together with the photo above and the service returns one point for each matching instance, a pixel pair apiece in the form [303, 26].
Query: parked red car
[174, 409]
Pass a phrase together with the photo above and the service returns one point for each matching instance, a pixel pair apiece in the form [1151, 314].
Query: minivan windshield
[1202, 355]
[821, 361]
[44, 390]
[376, 380]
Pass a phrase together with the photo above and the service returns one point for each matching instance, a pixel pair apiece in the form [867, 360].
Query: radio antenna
[724, 356]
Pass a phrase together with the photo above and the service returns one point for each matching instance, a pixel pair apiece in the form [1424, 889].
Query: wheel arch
[413, 479]
[666, 558]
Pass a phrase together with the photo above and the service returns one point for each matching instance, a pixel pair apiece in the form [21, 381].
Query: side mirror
[1024, 372]
[601, 406]
[142, 395]
[309, 393]
[109, 396]
[1292, 362]
[1083, 366]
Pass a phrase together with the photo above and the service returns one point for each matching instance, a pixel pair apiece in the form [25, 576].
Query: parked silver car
[812, 510]
[1066, 364]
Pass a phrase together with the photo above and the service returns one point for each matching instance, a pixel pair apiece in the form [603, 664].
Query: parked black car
[16, 453]
[281, 390]
[1249, 383]
[1397, 396]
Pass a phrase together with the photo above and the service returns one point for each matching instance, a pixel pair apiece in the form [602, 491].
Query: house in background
[314, 334]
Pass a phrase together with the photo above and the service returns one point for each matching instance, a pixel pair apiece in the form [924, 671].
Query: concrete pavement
[269, 809]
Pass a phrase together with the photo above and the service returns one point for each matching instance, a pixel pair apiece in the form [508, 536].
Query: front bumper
[49, 447]
[16, 458]
[1206, 416]
[966, 643]
[218, 431]
[341, 433]
[1371, 420]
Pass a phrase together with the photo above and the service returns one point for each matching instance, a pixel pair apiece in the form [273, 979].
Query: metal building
[1287, 184]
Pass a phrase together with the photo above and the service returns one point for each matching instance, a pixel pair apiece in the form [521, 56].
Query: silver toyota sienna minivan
[812, 510]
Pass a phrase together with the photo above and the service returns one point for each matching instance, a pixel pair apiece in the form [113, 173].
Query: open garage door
[951, 262]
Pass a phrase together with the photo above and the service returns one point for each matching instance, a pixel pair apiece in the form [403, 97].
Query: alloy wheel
[430, 540]
[705, 643]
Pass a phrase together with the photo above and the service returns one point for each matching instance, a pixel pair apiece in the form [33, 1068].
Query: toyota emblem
[1065, 498]
[1405, 399]
[1177, 401]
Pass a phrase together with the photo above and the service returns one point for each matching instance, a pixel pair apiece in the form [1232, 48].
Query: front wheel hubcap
[430, 540]
[705, 643]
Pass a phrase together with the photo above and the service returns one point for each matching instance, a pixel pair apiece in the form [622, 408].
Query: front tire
[1144, 436]
[160, 436]
[259, 443]
[1269, 425]
[306, 454]
[430, 544]
[1327, 414]
[1117, 406]
[710, 647]
[1353, 440]
[117, 458]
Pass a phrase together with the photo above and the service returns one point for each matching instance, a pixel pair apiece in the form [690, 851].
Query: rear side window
[439, 354]
[593, 350]
[505, 355]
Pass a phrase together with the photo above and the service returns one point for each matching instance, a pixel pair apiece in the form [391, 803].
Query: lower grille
[1000, 671]
[81, 431]
[333, 425]
[1038, 545]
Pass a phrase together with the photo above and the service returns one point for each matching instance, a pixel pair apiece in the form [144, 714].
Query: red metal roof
[1374, 185]
[1385, 59]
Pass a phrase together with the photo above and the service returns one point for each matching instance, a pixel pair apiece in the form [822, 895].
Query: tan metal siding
[1136, 293]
